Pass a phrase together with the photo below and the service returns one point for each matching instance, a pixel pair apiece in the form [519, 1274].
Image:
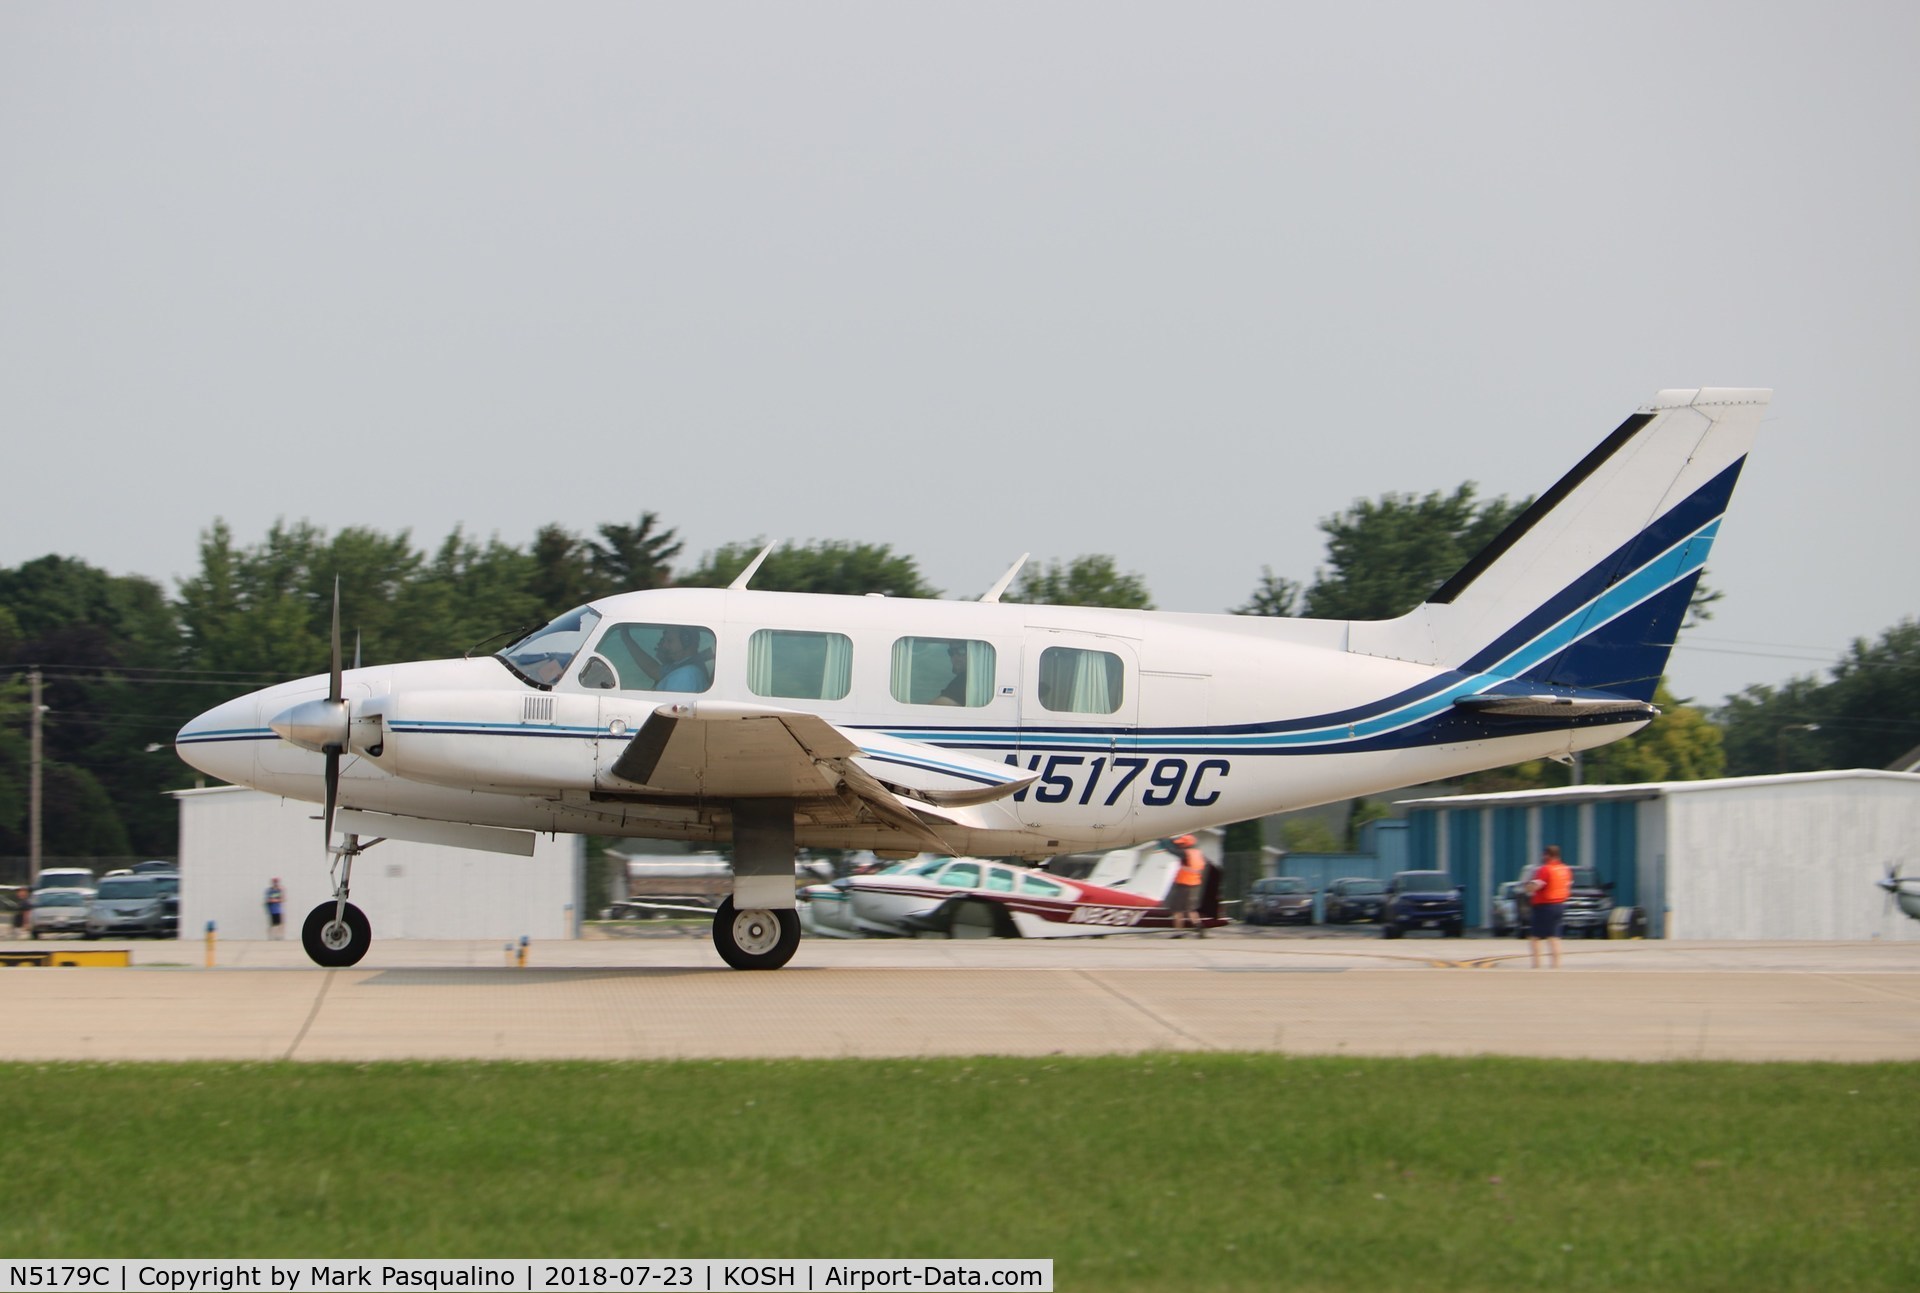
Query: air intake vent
[538, 709]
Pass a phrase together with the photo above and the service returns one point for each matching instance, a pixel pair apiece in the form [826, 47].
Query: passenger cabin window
[802, 666]
[942, 671]
[961, 875]
[1075, 681]
[652, 657]
[1039, 888]
[999, 880]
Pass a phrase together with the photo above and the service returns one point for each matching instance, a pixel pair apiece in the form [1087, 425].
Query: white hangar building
[235, 841]
[1797, 856]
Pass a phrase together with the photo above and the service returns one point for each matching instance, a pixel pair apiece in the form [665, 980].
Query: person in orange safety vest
[1188, 884]
[1551, 884]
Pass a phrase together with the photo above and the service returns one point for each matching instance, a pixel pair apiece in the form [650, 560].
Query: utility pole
[33, 791]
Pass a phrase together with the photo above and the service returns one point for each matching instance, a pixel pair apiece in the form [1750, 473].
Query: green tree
[562, 575]
[632, 558]
[246, 614]
[108, 649]
[1091, 580]
[1273, 596]
[1310, 835]
[470, 596]
[1385, 557]
[828, 566]
[1865, 715]
[1680, 745]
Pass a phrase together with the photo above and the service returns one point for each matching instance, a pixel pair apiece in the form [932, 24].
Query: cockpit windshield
[544, 654]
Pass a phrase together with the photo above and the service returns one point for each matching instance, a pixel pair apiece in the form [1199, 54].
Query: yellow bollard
[210, 942]
[523, 951]
[507, 948]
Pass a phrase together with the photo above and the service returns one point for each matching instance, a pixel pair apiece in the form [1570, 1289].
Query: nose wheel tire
[757, 938]
[336, 942]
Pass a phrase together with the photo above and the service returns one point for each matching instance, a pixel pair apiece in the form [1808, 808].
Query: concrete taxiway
[665, 995]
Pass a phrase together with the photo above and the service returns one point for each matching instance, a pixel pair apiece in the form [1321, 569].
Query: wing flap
[726, 750]
[720, 750]
[936, 775]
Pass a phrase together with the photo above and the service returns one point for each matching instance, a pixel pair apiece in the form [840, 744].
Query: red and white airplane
[775, 721]
[980, 898]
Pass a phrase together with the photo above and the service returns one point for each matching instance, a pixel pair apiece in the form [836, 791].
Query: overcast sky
[1169, 282]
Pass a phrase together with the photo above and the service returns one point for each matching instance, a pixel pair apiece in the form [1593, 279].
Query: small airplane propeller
[335, 702]
[1901, 892]
[322, 725]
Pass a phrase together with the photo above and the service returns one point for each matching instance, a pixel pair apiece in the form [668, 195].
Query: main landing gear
[755, 938]
[337, 933]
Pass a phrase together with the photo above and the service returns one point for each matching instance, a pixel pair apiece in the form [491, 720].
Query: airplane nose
[223, 741]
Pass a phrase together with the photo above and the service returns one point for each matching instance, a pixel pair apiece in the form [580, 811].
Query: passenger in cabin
[955, 692]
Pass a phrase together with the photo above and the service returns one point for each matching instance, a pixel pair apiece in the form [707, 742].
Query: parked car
[1353, 898]
[1423, 900]
[158, 864]
[125, 905]
[59, 911]
[1589, 905]
[64, 877]
[1509, 918]
[169, 882]
[1279, 900]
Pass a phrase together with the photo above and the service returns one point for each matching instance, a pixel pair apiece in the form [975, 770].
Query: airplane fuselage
[1185, 721]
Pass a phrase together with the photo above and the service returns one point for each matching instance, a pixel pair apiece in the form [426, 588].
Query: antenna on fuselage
[740, 581]
[993, 594]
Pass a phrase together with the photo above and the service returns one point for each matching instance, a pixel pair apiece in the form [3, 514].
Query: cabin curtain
[836, 672]
[903, 670]
[1090, 688]
[979, 673]
[760, 663]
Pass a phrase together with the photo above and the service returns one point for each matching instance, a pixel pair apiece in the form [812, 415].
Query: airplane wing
[728, 750]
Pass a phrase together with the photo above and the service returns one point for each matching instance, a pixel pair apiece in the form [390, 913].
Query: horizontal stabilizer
[1550, 706]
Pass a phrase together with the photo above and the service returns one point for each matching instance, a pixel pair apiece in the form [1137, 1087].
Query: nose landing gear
[337, 933]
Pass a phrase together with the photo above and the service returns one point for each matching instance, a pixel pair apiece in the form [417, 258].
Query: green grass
[1207, 1172]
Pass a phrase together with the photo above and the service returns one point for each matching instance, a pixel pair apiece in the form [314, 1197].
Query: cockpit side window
[652, 657]
[544, 654]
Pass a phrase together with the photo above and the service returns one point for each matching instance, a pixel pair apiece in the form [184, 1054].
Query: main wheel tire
[758, 938]
[336, 943]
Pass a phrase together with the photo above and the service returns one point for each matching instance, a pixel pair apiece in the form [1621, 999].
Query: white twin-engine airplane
[773, 721]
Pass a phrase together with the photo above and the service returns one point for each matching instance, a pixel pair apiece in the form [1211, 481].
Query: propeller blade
[333, 681]
[332, 751]
[333, 795]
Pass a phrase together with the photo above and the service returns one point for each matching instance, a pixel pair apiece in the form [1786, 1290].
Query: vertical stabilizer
[1587, 588]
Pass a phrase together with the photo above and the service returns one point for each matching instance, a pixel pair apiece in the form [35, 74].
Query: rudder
[1588, 587]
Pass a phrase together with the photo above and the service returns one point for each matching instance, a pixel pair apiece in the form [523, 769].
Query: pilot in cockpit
[679, 655]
